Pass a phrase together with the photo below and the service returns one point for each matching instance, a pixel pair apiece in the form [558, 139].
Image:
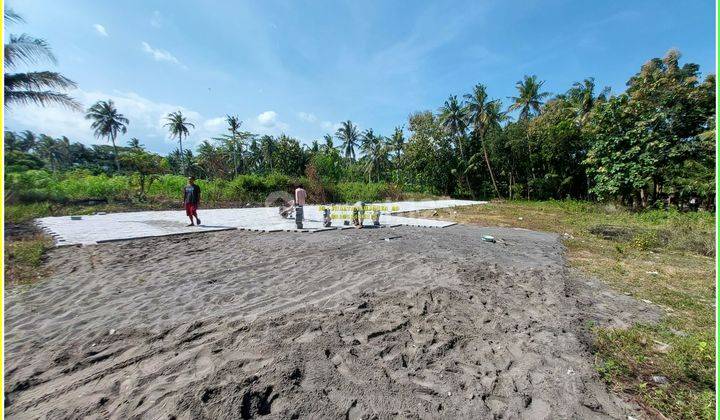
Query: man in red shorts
[191, 199]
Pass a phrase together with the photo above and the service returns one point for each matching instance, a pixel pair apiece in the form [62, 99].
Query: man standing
[300, 196]
[191, 200]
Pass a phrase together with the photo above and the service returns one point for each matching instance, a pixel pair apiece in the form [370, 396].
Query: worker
[327, 220]
[358, 214]
[300, 196]
[191, 200]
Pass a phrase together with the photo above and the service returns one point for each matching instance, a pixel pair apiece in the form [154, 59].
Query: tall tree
[267, 149]
[453, 118]
[375, 153]
[582, 97]
[107, 123]
[28, 141]
[134, 143]
[348, 134]
[396, 143]
[328, 142]
[47, 151]
[529, 99]
[37, 87]
[529, 102]
[484, 115]
[234, 142]
[179, 127]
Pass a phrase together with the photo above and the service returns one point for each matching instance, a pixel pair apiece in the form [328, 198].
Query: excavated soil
[374, 323]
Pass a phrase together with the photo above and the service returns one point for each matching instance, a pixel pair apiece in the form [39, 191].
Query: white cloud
[330, 127]
[267, 122]
[215, 124]
[156, 19]
[147, 119]
[160, 54]
[100, 29]
[268, 118]
[307, 117]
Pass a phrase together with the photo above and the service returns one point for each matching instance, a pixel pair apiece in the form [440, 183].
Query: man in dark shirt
[191, 200]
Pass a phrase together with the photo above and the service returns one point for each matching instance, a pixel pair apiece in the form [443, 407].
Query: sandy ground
[376, 323]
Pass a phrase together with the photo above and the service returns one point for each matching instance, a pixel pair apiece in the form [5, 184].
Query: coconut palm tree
[397, 143]
[28, 141]
[529, 99]
[267, 149]
[47, 150]
[373, 147]
[12, 141]
[582, 98]
[107, 123]
[453, 118]
[178, 126]
[33, 87]
[328, 142]
[134, 143]
[484, 115]
[234, 142]
[349, 136]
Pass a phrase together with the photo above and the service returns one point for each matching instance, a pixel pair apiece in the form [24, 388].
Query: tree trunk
[182, 157]
[492, 176]
[532, 169]
[467, 181]
[643, 198]
[117, 162]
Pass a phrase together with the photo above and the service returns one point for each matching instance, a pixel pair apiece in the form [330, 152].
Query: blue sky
[301, 67]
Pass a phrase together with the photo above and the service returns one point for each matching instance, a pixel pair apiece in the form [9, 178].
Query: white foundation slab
[101, 228]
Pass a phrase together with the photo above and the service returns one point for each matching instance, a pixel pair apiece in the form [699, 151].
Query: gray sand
[343, 324]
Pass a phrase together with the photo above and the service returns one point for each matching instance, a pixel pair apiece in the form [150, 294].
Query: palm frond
[12, 17]
[38, 81]
[43, 98]
[28, 50]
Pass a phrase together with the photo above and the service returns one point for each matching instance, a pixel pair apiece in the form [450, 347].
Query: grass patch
[23, 260]
[666, 257]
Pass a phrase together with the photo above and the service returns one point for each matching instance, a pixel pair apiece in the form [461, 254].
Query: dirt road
[409, 322]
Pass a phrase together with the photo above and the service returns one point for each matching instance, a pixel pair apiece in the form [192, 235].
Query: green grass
[23, 260]
[666, 257]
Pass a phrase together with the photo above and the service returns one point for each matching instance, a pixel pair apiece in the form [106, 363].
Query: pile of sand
[386, 322]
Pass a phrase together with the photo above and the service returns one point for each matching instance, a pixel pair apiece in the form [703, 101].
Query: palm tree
[211, 159]
[484, 116]
[29, 141]
[582, 98]
[528, 102]
[12, 141]
[328, 142]
[234, 142]
[374, 149]
[107, 122]
[134, 143]
[453, 118]
[267, 148]
[178, 125]
[530, 98]
[396, 143]
[33, 87]
[47, 151]
[348, 134]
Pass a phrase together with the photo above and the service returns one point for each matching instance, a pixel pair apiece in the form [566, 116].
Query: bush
[35, 186]
[350, 192]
